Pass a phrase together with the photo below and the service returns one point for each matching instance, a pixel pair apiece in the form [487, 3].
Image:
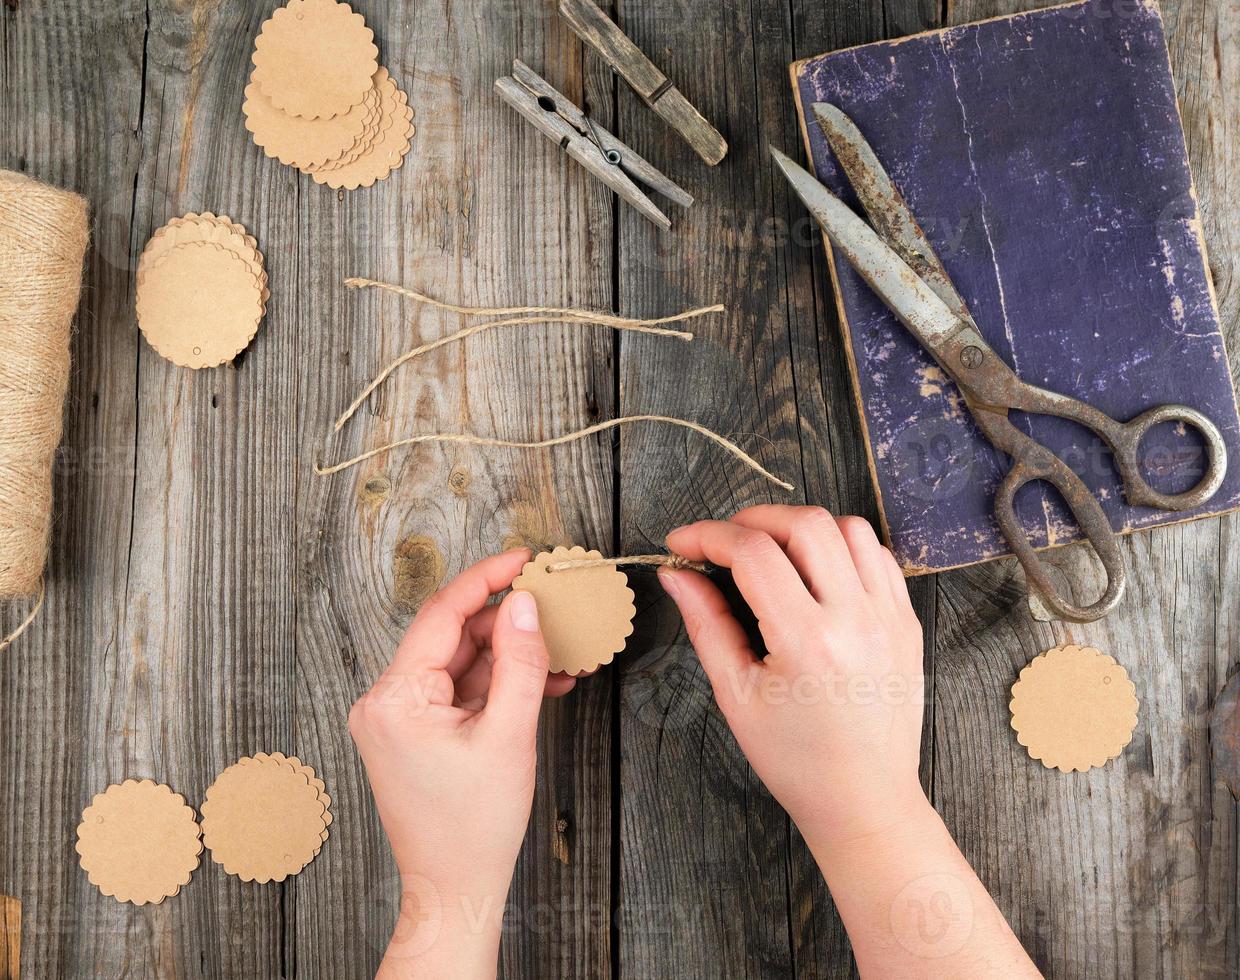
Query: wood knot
[559, 840]
[514, 540]
[375, 490]
[417, 571]
[458, 482]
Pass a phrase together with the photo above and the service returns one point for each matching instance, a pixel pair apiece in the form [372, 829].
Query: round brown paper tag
[586, 614]
[263, 820]
[386, 145]
[315, 58]
[199, 304]
[1073, 708]
[138, 842]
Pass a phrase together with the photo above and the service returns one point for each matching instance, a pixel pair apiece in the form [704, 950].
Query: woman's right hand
[831, 718]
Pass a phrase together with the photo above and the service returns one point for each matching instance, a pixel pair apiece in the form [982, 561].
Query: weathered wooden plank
[714, 879]
[71, 116]
[10, 938]
[838, 460]
[1129, 870]
[484, 211]
[203, 663]
[251, 586]
[211, 597]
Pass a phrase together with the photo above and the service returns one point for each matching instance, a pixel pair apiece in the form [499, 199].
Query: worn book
[1044, 157]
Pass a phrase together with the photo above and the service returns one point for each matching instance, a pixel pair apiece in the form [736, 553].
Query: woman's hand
[831, 718]
[447, 735]
[831, 721]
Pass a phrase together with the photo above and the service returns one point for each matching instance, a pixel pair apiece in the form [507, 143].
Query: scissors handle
[1032, 462]
[1126, 441]
[1124, 438]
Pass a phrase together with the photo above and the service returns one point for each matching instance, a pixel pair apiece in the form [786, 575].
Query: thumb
[519, 673]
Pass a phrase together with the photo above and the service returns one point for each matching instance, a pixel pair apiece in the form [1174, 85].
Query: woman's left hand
[447, 735]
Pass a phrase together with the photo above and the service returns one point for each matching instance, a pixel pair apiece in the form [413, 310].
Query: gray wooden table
[211, 597]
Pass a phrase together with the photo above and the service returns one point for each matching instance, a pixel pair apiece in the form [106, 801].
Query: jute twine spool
[43, 236]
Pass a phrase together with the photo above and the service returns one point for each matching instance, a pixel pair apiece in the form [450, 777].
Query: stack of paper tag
[266, 817]
[318, 100]
[139, 842]
[202, 290]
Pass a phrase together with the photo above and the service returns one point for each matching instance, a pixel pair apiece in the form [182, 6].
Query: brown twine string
[353, 282]
[25, 623]
[665, 561]
[585, 318]
[43, 235]
[472, 440]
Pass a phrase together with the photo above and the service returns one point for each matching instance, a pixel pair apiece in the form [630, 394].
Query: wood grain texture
[210, 597]
[713, 876]
[478, 182]
[1129, 870]
[10, 938]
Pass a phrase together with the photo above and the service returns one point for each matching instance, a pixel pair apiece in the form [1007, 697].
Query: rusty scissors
[893, 256]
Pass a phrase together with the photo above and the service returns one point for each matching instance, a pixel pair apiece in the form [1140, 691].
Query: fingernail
[667, 579]
[524, 612]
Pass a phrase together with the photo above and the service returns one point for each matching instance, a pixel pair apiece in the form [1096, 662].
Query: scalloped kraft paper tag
[199, 305]
[263, 820]
[387, 97]
[206, 227]
[294, 763]
[1073, 708]
[315, 58]
[139, 842]
[385, 145]
[297, 141]
[586, 614]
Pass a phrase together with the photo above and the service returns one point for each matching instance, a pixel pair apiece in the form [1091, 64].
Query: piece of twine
[471, 440]
[514, 316]
[609, 319]
[663, 561]
[382, 376]
[25, 623]
[43, 237]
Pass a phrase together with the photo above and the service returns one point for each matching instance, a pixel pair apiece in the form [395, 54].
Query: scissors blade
[884, 204]
[918, 306]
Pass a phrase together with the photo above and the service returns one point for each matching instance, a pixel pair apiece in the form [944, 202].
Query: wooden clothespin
[627, 59]
[606, 157]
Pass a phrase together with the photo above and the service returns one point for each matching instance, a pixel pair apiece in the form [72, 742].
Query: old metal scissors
[894, 257]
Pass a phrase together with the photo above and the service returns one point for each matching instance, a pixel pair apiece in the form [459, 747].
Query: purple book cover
[1044, 157]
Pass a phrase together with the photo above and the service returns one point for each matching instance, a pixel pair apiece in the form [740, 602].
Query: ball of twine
[43, 236]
